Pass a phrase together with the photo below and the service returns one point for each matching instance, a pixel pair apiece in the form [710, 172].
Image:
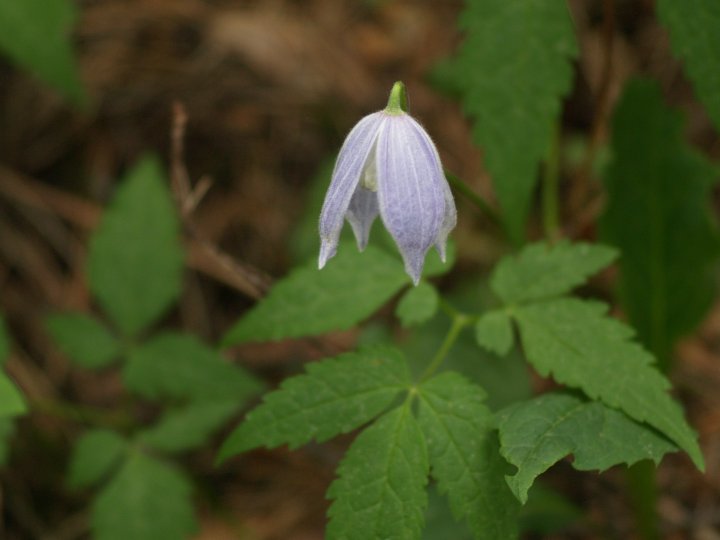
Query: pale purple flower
[388, 165]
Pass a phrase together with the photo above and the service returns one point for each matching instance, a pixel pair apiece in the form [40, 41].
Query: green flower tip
[398, 101]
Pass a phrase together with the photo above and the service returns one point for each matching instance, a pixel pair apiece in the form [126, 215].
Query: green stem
[459, 322]
[644, 496]
[551, 191]
[473, 197]
[398, 100]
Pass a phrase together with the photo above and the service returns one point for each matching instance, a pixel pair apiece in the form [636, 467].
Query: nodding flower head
[388, 165]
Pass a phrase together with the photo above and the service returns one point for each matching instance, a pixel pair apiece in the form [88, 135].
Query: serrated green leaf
[380, 489]
[179, 366]
[84, 339]
[310, 301]
[542, 270]
[464, 455]
[576, 343]
[540, 432]
[36, 34]
[4, 343]
[418, 304]
[146, 500]
[7, 428]
[95, 455]
[493, 331]
[694, 37]
[659, 214]
[511, 72]
[189, 427]
[333, 396]
[135, 261]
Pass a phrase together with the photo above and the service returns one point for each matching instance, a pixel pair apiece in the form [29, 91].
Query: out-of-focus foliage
[417, 305]
[135, 266]
[511, 71]
[12, 402]
[658, 214]
[694, 36]
[36, 35]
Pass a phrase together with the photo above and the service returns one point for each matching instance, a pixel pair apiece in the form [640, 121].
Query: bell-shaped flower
[388, 165]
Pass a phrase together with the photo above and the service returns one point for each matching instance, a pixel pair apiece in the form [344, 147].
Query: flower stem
[474, 198]
[459, 321]
[398, 100]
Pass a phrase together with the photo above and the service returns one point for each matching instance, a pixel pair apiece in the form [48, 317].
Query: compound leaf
[83, 339]
[135, 260]
[543, 270]
[94, 456]
[575, 342]
[511, 71]
[181, 367]
[380, 489]
[36, 35]
[146, 500]
[188, 427]
[694, 37]
[311, 301]
[417, 305]
[537, 433]
[333, 396]
[464, 455]
[658, 198]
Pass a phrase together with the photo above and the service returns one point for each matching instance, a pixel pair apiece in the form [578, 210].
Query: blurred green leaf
[547, 511]
[305, 242]
[310, 301]
[580, 346]
[12, 402]
[380, 489]
[189, 427]
[95, 455]
[542, 270]
[659, 213]
[511, 72]
[146, 500]
[36, 35]
[494, 332]
[334, 396]
[136, 261]
[418, 304]
[4, 343]
[694, 37]
[538, 433]
[84, 339]
[181, 367]
[462, 442]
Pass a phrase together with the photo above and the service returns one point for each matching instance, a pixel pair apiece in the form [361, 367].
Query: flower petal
[345, 178]
[410, 190]
[450, 214]
[361, 213]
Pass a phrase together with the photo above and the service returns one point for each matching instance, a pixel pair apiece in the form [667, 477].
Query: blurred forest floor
[270, 88]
